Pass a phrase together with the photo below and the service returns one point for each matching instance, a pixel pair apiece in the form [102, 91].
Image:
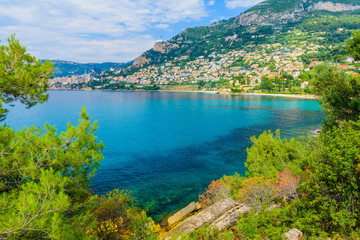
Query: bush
[287, 184]
[269, 155]
[333, 186]
[118, 218]
[216, 190]
[257, 191]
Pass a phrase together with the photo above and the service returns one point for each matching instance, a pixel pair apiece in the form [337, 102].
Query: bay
[166, 147]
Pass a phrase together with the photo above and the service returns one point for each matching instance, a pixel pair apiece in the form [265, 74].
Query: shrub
[118, 218]
[287, 184]
[269, 155]
[256, 191]
[216, 190]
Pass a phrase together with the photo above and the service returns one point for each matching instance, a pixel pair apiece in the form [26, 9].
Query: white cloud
[211, 3]
[241, 3]
[162, 26]
[92, 30]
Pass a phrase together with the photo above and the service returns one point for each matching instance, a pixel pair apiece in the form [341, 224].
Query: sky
[106, 30]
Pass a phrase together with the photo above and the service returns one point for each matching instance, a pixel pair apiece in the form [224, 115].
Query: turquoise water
[167, 147]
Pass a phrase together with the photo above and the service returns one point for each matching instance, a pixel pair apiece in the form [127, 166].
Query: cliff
[282, 12]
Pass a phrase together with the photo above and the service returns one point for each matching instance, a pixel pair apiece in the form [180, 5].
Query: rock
[164, 47]
[261, 15]
[293, 234]
[207, 216]
[139, 61]
[333, 7]
[229, 218]
[248, 18]
[183, 213]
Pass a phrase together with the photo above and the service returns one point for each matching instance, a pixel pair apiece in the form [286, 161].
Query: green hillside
[268, 22]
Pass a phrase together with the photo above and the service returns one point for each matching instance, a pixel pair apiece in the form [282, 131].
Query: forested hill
[67, 68]
[271, 21]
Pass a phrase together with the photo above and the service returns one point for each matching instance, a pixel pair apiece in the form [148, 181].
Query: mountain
[284, 11]
[67, 68]
[268, 22]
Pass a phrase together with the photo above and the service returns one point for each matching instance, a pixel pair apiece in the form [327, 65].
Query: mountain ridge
[64, 68]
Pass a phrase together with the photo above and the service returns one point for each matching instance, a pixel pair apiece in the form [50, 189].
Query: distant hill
[267, 22]
[66, 68]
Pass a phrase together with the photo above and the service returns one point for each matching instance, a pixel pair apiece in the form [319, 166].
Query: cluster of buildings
[83, 78]
[271, 60]
[251, 63]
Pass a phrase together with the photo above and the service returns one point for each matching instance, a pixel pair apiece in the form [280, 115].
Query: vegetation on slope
[313, 183]
[45, 176]
[202, 41]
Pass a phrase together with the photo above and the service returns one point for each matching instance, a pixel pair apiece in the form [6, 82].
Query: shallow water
[166, 147]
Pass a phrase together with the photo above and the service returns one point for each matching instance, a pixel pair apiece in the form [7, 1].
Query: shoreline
[283, 95]
[312, 97]
[188, 91]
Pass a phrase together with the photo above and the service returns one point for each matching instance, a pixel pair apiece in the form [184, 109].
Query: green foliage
[333, 186]
[30, 210]
[269, 155]
[326, 204]
[45, 178]
[339, 94]
[45, 175]
[336, 54]
[22, 77]
[233, 183]
[237, 90]
[203, 233]
[353, 45]
[257, 191]
[118, 218]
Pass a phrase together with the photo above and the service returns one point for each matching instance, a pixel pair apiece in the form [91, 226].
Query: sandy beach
[211, 92]
[284, 95]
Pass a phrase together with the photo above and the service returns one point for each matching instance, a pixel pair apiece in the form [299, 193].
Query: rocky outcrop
[164, 47]
[293, 234]
[222, 215]
[139, 61]
[248, 18]
[264, 16]
[333, 7]
[230, 217]
[182, 214]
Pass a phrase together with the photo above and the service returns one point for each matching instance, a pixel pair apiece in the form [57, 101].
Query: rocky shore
[221, 215]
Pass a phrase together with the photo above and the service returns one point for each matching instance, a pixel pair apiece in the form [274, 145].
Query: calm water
[167, 147]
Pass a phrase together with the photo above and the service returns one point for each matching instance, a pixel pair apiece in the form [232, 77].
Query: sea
[166, 147]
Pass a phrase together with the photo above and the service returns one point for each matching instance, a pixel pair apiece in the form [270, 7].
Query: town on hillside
[254, 68]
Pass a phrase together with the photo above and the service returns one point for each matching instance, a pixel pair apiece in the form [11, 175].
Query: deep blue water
[167, 147]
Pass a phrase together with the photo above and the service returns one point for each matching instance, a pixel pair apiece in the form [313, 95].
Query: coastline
[210, 92]
[284, 95]
[313, 97]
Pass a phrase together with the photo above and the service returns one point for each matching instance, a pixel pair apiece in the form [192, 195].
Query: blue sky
[106, 30]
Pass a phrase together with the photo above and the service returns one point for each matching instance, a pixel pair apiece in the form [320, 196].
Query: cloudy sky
[105, 30]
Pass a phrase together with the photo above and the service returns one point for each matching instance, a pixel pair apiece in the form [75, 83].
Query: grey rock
[229, 218]
[207, 216]
[183, 213]
[293, 234]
